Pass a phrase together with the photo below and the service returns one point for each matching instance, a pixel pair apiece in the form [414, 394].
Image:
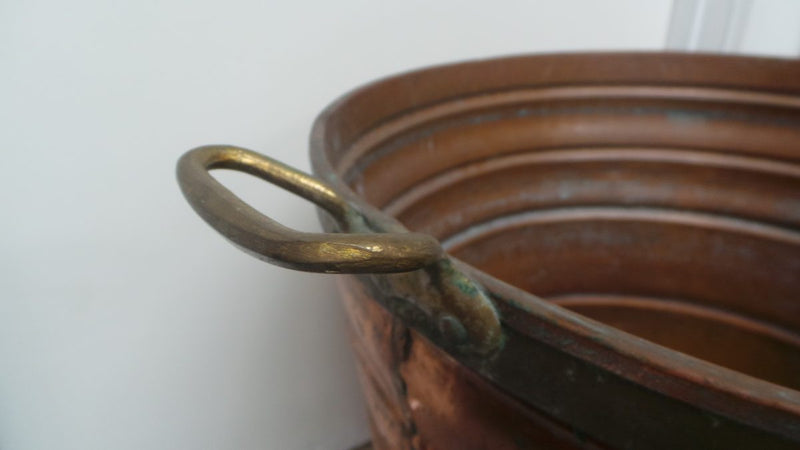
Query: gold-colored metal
[266, 239]
[409, 271]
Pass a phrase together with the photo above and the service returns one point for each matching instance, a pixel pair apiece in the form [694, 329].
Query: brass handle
[268, 240]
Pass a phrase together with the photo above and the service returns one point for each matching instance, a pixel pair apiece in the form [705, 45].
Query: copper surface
[652, 204]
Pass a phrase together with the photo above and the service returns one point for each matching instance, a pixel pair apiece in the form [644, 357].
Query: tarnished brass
[411, 270]
[359, 252]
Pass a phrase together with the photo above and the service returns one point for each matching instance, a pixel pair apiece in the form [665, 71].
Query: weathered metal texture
[656, 193]
[361, 248]
[426, 289]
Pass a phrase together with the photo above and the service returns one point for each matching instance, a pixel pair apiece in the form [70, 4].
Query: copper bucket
[606, 249]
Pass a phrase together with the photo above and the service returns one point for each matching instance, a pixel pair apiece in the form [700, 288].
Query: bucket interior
[670, 212]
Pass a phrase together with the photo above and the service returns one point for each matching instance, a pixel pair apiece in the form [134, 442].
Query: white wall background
[126, 322]
[760, 27]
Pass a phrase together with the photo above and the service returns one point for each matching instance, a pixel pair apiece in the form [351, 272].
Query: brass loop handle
[268, 240]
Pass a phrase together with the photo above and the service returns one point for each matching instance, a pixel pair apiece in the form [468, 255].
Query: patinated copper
[632, 219]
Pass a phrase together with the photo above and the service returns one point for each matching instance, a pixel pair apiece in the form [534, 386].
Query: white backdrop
[126, 322]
